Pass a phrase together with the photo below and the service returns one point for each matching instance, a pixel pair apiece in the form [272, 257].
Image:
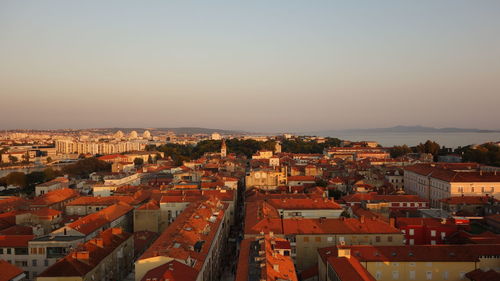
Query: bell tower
[223, 149]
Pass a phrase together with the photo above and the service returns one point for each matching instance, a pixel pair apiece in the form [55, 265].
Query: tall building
[437, 181]
[223, 148]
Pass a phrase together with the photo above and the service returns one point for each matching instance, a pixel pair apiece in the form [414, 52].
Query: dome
[146, 134]
[118, 135]
[133, 135]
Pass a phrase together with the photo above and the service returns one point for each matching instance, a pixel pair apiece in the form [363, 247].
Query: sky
[266, 66]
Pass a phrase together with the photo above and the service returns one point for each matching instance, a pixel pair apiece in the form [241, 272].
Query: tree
[321, 183]
[26, 157]
[138, 162]
[13, 159]
[399, 150]
[84, 167]
[16, 179]
[49, 159]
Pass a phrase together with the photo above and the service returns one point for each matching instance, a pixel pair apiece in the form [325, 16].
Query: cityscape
[249, 141]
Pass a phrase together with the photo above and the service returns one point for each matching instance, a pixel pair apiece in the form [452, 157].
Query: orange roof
[54, 197]
[171, 271]
[191, 233]
[151, 205]
[480, 275]
[428, 253]
[303, 204]
[9, 271]
[374, 197]
[12, 241]
[92, 222]
[301, 178]
[469, 200]
[267, 263]
[349, 269]
[454, 172]
[87, 256]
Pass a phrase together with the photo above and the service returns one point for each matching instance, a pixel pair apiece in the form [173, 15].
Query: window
[443, 235]
[389, 238]
[429, 264]
[1, 251]
[428, 275]
[306, 239]
[46, 262]
[412, 275]
[445, 275]
[317, 239]
[9, 251]
[329, 239]
[32, 251]
[412, 241]
[433, 242]
[33, 262]
[395, 264]
[433, 233]
[20, 251]
[461, 275]
[395, 275]
[412, 231]
[377, 238]
[412, 264]
[378, 275]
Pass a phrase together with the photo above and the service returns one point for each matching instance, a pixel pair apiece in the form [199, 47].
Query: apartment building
[57, 183]
[265, 258]
[108, 256]
[422, 262]
[196, 238]
[306, 234]
[98, 147]
[14, 250]
[437, 181]
[118, 215]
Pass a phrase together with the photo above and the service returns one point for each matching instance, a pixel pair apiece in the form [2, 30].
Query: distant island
[403, 129]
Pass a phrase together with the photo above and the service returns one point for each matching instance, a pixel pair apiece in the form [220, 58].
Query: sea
[452, 140]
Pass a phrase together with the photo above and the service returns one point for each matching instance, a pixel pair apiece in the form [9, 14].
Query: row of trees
[28, 181]
[431, 147]
[180, 153]
[80, 169]
[488, 154]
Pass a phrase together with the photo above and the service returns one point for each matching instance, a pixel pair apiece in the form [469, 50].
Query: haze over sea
[447, 139]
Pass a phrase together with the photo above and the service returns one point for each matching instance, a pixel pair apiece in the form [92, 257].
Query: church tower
[223, 149]
[277, 147]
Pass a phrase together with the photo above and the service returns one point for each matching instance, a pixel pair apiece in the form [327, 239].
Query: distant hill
[405, 129]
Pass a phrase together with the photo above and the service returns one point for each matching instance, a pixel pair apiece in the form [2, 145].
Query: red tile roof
[374, 197]
[9, 271]
[74, 265]
[92, 222]
[54, 197]
[349, 269]
[12, 241]
[469, 200]
[480, 275]
[171, 271]
[450, 172]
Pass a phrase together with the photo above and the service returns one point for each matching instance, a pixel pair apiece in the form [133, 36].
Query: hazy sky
[251, 65]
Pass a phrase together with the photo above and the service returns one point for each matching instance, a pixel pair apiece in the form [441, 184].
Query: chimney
[83, 256]
[362, 219]
[117, 231]
[276, 267]
[391, 222]
[99, 242]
